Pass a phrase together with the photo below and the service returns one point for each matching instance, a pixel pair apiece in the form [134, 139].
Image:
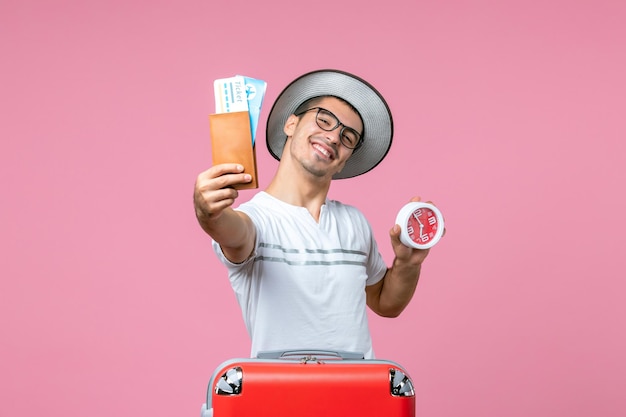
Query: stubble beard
[314, 170]
[312, 166]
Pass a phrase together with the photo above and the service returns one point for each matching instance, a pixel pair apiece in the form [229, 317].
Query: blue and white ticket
[240, 93]
[230, 95]
[255, 91]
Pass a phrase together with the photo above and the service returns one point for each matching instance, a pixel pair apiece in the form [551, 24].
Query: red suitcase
[309, 383]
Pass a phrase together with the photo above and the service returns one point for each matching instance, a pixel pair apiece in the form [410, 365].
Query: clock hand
[421, 224]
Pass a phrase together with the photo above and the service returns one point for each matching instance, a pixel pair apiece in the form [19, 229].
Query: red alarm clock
[421, 225]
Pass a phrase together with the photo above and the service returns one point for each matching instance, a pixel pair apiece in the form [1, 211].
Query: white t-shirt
[304, 285]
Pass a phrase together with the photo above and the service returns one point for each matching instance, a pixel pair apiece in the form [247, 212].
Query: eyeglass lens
[328, 121]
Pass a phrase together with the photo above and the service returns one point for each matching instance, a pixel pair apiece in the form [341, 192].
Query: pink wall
[509, 115]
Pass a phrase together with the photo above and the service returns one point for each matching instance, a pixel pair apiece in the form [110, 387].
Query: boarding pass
[240, 93]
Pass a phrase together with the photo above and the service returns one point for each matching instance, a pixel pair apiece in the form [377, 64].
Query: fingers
[403, 252]
[222, 169]
[214, 189]
[222, 176]
[395, 232]
[394, 236]
[214, 202]
[418, 198]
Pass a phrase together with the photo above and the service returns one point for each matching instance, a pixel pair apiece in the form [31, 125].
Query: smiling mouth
[323, 151]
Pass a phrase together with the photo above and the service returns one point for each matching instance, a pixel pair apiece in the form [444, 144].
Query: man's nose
[334, 135]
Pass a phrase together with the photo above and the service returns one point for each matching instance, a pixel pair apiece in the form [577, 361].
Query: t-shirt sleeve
[376, 266]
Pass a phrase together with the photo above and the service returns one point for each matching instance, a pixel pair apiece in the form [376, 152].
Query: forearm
[233, 231]
[398, 288]
[214, 194]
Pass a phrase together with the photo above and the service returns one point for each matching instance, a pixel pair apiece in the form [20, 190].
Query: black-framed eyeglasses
[327, 121]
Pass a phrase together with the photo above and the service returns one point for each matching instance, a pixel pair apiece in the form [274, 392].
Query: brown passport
[231, 142]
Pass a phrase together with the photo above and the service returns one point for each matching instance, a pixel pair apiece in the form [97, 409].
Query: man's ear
[290, 125]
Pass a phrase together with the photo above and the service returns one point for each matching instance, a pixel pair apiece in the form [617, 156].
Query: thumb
[394, 233]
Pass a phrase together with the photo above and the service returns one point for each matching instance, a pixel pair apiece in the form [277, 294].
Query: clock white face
[422, 225]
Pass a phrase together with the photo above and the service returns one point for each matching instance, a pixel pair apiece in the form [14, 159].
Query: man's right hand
[214, 192]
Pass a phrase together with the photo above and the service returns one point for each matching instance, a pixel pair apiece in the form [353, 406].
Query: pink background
[508, 114]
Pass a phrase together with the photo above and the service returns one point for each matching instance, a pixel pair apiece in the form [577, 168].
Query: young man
[304, 267]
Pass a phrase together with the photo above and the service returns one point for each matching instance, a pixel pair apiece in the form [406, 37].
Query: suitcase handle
[310, 354]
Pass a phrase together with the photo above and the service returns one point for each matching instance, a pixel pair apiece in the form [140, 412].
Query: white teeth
[322, 150]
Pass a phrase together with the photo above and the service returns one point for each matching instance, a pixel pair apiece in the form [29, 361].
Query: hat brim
[374, 111]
